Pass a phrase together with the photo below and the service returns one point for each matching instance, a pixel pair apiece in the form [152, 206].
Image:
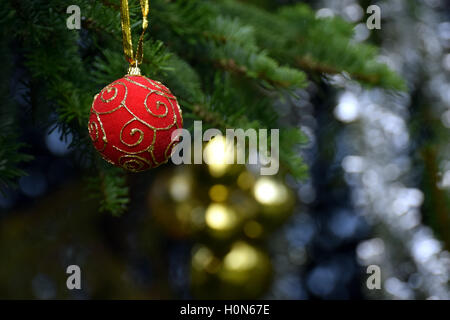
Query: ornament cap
[134, 71]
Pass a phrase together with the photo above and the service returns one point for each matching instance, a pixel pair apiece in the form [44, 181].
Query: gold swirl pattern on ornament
[135, 161]
[164, 94]
[158, 104]
[107, 160]
[170, 147]
[132, 133]
[174, 122]
[92, 125]
[93, 128]
[104, 138]
[158, 85]
[148, 149]
[108, 89]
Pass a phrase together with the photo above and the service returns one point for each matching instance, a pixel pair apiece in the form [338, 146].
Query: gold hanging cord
[133, 60]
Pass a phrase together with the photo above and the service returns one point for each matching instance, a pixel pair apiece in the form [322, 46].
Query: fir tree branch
[308, 64]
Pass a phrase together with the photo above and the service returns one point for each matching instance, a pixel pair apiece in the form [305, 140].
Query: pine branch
[110, 188]
[308, 64]
[220, 75]
[315, 45]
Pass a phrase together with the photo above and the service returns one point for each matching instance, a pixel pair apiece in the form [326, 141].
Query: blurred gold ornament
[243, 273]
[276, 201]
[173, 204]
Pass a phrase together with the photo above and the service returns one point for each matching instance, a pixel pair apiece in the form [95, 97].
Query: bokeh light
[270, 192]
[220, 217]
[219, 154]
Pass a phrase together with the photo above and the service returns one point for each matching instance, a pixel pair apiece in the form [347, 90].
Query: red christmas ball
[132, 121]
